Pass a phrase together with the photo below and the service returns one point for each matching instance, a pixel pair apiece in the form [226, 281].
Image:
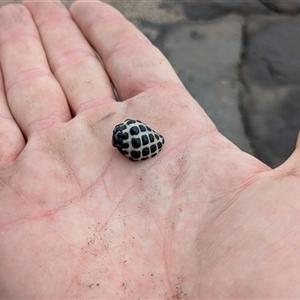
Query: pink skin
[78, 220]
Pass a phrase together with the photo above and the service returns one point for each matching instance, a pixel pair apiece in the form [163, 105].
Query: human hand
[78, 220]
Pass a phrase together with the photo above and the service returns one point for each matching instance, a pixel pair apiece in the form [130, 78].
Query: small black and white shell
[136, 140]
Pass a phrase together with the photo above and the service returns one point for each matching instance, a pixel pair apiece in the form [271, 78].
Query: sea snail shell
[136, 140]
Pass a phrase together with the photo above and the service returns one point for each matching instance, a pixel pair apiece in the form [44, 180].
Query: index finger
[132, 62]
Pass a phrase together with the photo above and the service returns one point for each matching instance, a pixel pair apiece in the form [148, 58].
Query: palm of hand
[80, 220]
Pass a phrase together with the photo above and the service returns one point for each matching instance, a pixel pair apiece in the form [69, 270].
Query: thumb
[292, 165]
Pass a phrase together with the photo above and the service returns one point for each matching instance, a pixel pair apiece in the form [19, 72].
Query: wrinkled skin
[78, 220]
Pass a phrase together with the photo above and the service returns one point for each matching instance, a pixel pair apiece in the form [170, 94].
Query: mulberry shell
[136, 140]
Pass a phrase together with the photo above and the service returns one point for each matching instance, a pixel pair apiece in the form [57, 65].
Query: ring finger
[11, 138]
[34, 97]
[71, 58]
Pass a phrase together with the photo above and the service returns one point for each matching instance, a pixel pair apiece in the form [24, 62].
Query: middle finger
[71, 58]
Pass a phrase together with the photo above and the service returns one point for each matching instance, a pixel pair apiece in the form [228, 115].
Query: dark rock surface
[206, 57]
[204, 10]
[157, 12]
[271, 75]
[286, 7]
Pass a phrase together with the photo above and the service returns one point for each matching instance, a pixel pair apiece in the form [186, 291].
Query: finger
[71, 58]
[298, 141]
[35, 98]
[132, 62]
[11, 138]
[292, 165]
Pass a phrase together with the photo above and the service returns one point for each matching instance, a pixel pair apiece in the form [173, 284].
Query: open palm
[79, 220]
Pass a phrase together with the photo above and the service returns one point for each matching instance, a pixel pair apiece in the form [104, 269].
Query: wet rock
[271, 75]
[158, 12]
[205, 55]
[204, 10]
[286, 7]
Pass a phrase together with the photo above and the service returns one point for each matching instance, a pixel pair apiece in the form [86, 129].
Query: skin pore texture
[202, 219]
